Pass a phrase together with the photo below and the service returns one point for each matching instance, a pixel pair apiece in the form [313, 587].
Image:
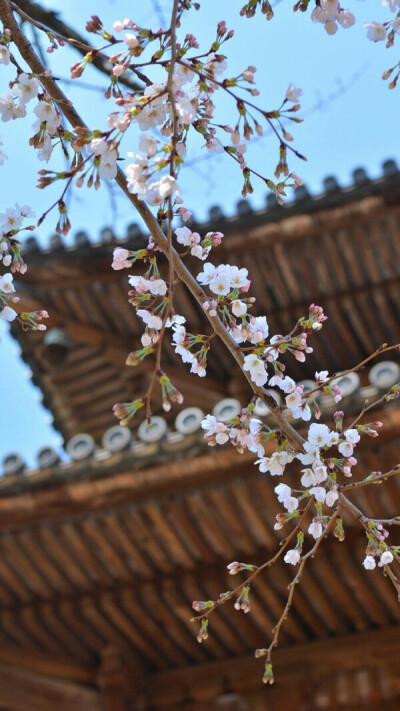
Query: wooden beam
[22, 690]
[373, 649]
[66, 499]
[57, 499]
[50, 666]
[296, 227]
[115, 349]
[111, 681]
[113, 346]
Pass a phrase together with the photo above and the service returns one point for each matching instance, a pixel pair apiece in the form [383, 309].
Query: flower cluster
[199, 248]
[6, 290]
[185, 342]
[321, 466]
[330, 14]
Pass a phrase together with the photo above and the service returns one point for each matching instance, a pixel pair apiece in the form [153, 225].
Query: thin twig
[47, 21]
[336, 376]
[311, 553]
[371, 479]
[282, 546]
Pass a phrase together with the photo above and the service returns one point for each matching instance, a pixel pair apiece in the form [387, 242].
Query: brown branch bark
[52, 21]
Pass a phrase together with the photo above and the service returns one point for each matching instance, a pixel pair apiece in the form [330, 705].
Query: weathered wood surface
[293, 667]
[22, 690]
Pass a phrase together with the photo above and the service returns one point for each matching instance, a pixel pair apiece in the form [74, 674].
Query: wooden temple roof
[104, 555]
[101, 557]
[340, 249]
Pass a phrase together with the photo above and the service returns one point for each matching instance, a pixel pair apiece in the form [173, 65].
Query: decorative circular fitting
[116, 439]
[81, 447]
[47, 457]
[13, 464]
[154, 433]
[384, 374]
[227, 409]
[189, 420]
[348, 383]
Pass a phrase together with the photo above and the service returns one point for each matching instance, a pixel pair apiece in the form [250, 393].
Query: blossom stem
[283, 545]
[382, 349]
[311, 553]
[371, 480]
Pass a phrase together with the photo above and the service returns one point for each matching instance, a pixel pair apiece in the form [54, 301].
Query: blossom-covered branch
[319, 459]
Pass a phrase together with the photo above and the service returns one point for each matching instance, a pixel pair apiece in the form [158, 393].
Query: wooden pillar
[112, 681]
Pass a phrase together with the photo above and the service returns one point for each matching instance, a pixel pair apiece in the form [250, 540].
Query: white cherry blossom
[258, 329]
[283, 491]
[293, 94]
[352, 436]
[286, 384]
[308, 478]
[108, 165]
[215, 428]
[255, 366]
[320, 473]
[6, 284]
[220, 284]
[386, 558]
[331, 497]
[148, 144]
[376, 32]
[319, 435]
[149, 319]
[293, 400]
[4, 54]
[319, 493]
[369, 562]
[10, 220]
[321, 376]
[8, 314]
[208, 273]
[45, 111]
[275, 464]
[167, 186]
[131, 40]
[315, 529]
[98, 146]
[291, 503]
[239, 308]
[346, 449]
[292, 557]
[26, 88]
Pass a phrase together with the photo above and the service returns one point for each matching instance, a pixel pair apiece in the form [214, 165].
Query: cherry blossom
[293, 94]
[8, 314]
[376, 32]
[315, 529]
[386, 558]
[26, 88]
[292, 557]
[4, 55]
[255, 366]
[216, 432]
[369, 562]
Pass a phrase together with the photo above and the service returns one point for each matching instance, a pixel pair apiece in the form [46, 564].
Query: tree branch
[37, 15]
[73, 117]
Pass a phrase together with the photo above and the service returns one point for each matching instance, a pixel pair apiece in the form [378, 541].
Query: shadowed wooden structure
[101, 557]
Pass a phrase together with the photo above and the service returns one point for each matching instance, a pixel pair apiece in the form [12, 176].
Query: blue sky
[350, 121]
